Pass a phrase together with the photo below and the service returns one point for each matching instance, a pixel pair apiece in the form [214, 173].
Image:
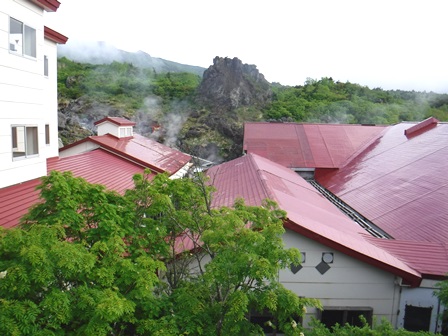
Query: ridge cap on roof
[266, 188]
[364, 147]
[115, 120]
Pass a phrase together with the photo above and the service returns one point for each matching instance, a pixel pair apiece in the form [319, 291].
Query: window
[342, 315]
[24, 141]
[47, 134]
[22, 39]
[46, 65]
[125, 131]
[417, 318]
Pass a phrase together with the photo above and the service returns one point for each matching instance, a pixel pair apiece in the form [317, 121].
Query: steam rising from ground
[153, 122]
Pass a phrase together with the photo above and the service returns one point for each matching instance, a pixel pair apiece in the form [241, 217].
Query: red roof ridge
[261, 174]
[115, 120]
[421, 127]
[364, 147]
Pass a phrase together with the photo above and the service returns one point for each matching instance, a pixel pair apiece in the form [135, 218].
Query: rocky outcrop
[229, 84]
[228, 88]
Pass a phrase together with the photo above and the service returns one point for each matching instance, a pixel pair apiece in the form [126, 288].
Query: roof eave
[54, 36]
[48, 5]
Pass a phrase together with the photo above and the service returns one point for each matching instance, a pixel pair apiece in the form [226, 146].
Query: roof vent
[421, 127]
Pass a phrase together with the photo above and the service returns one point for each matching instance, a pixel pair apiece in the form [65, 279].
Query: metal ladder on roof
[366, 224]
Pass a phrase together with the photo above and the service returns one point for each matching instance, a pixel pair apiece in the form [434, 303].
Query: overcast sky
[389, 44]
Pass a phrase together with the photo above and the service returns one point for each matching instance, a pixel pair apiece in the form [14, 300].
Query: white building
[28, 90]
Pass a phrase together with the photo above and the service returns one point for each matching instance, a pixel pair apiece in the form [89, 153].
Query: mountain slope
[103, 53]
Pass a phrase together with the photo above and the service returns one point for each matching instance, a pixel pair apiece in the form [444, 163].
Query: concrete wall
[348, 282]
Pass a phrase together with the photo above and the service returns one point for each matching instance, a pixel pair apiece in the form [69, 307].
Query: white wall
[83, 147]
[348, 283]
[51, 99]
[108, 128]
[26, 96]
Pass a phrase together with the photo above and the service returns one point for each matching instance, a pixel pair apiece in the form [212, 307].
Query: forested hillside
[88, 92]
[334, 102]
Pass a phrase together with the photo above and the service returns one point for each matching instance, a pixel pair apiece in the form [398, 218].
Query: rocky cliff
[229, 84]
[230, 93]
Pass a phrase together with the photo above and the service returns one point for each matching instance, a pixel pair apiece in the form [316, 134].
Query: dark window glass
[417, 318]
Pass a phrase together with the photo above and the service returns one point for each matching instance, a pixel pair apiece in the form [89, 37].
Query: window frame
[28, 46]
[28, 140]
[46, 64]
[47, 134]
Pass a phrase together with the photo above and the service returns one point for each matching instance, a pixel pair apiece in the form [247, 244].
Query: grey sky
[390, 44]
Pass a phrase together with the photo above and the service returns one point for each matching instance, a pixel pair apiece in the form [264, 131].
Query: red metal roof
[16, 200]
[416, 255]
[309, 213]
[308, 145]
[142, 150]
[400, 183]
[97, 167]
[116, 120]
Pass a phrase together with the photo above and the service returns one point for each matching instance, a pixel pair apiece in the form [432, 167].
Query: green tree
[158, 260]
[222, 263]
[69, 270]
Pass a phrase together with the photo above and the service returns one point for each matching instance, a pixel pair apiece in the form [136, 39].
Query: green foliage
[335, 102]
[382, 329]
[238, 253]
[158, 260]
[121, 84]
[179, 86]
